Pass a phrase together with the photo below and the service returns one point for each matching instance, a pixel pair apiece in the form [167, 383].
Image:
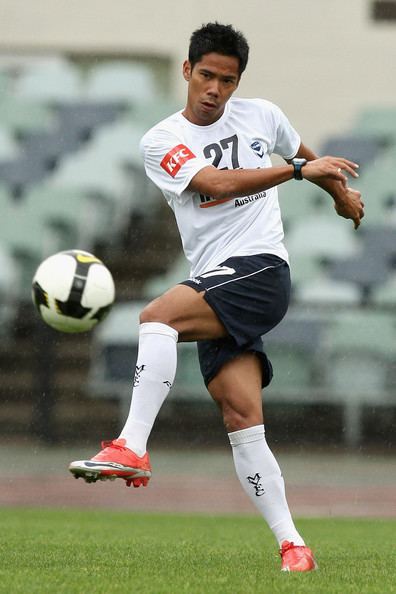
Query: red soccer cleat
[115, 460]
[296, 558]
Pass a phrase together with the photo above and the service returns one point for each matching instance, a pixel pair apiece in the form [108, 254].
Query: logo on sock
[138, 372]
[167, 383]
[255, 481]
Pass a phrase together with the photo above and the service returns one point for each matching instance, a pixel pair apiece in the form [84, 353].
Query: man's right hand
[326, 168]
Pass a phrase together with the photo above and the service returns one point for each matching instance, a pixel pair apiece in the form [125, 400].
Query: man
[212, 163]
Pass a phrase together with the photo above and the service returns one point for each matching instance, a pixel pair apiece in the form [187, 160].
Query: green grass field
[48, 551]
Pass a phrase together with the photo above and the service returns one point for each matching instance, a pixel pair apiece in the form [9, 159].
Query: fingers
[331, 167]
[358, 219]
[338, 175]
[345, 165]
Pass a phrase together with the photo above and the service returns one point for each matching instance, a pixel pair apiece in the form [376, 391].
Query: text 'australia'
[248, 199]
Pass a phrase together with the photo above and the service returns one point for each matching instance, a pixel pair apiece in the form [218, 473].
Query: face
[211, 83]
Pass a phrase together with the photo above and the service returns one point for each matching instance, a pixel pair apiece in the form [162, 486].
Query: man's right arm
[232, 183]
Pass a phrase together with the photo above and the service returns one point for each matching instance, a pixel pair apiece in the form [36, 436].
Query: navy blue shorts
[250, 295]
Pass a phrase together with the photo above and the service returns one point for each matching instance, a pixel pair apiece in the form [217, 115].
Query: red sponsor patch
[173, 161]
[213, 202]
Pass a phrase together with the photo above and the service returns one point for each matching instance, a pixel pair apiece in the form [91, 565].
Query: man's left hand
[350, 206]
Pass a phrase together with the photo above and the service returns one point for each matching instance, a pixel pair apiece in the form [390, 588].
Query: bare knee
[236, 389]
[153, 312]
[238, 414]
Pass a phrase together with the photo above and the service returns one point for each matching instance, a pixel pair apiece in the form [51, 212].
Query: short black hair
[222, 39]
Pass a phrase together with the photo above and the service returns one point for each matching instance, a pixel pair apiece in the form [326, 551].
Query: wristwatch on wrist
[298, 164]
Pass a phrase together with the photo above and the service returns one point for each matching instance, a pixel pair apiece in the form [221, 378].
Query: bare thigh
[237, 391]
[185, 310]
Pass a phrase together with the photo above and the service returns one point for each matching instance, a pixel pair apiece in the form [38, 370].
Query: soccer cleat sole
[109, 472]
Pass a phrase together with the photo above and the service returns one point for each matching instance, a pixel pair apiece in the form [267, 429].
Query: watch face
[298, 164]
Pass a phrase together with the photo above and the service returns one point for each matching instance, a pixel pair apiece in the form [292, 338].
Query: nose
[213, 90]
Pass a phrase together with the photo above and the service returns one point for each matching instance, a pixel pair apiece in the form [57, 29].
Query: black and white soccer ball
[73, 291]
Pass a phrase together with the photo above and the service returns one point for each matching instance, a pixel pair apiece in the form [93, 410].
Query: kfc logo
[173, 160]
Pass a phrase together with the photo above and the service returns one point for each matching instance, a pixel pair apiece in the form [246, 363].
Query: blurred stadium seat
[26, 239]
[120, 81]
[49, 80]
[178, 272]
[359, 347]
[384, 295]
[10, 272]
[8, 146]
[323, 290]
[365, 271]
[380, 242]
[300, 200]
[119, 141]
[359, 148]
[151, 111]
[293, 348]
[378, 187]
[85, 116]
[304, 268]
[49, 146]
[9, 285]
[85, 171]
[379, 122]
[373, 265]
[21, 173]
[322, 236]
[76, 216]
[21, 115]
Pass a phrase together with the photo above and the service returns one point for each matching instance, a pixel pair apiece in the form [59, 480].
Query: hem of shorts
[189, 283]
[261, 354]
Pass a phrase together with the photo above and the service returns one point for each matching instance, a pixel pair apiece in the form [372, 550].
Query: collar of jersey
[209, 126]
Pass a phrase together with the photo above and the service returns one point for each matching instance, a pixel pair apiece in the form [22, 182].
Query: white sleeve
[168, 162]
[287, 140]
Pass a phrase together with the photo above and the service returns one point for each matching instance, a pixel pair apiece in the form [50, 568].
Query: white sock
[261, 478]
[154, 375]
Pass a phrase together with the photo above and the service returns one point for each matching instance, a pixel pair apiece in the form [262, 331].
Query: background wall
[319, 75]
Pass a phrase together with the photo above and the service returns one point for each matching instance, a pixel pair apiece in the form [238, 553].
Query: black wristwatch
[298, 164]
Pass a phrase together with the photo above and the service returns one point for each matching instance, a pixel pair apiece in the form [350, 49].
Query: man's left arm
[347, 201]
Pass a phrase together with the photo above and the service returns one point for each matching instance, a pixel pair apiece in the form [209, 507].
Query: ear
[186, 70]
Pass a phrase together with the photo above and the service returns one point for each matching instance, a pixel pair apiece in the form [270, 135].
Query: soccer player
[212, 163]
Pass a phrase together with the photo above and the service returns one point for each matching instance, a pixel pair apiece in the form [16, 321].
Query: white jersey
[213, 230]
